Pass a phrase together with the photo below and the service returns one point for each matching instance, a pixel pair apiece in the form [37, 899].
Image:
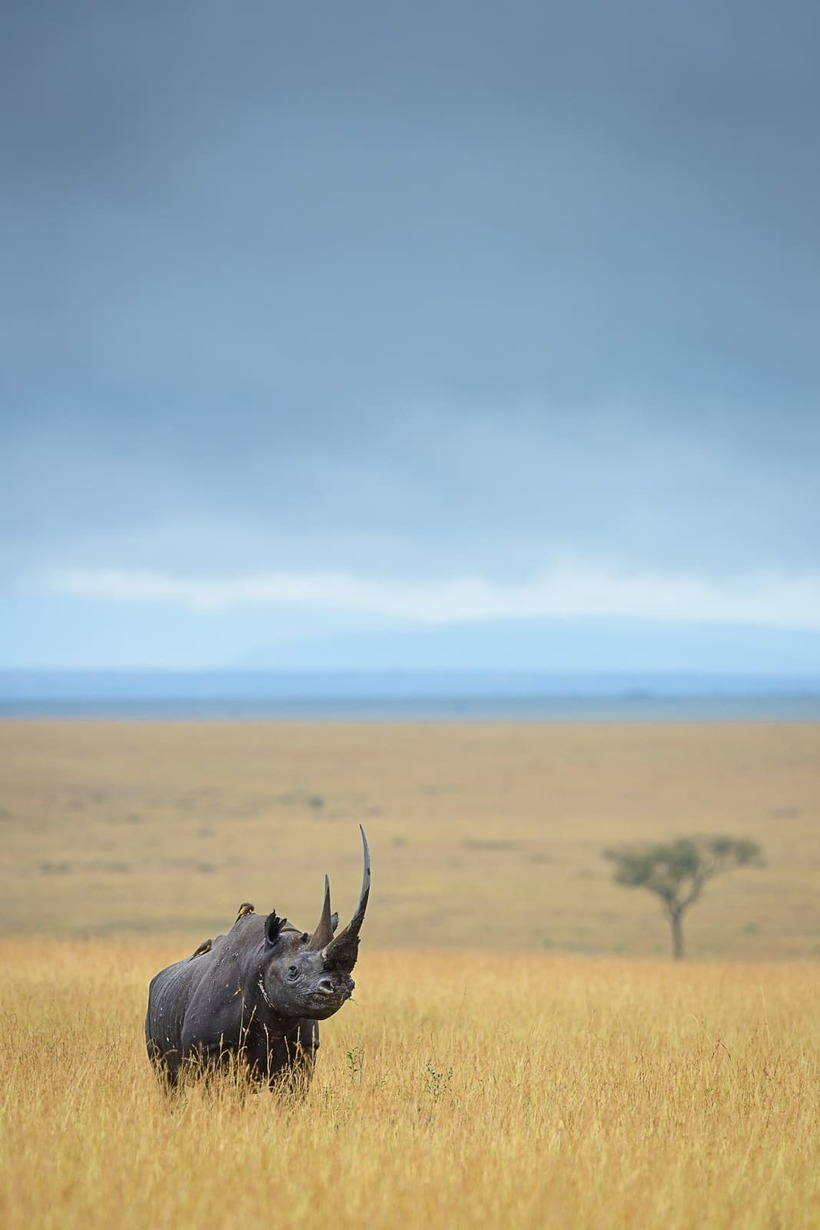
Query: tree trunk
[676, 920]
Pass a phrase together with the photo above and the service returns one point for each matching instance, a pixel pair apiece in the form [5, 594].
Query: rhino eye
[293, 970]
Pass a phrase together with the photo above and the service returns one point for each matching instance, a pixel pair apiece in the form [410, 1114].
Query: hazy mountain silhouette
[560, 646]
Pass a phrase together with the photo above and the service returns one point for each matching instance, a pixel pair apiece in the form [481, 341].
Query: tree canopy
[677, 871]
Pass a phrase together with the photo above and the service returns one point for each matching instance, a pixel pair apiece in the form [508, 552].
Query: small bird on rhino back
[256, 994]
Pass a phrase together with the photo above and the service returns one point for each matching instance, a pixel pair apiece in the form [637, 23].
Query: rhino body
[255, 995]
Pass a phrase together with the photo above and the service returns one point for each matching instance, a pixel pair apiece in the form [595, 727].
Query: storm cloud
[452, 291]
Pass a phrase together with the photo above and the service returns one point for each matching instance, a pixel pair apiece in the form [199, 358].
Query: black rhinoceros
[255, 995]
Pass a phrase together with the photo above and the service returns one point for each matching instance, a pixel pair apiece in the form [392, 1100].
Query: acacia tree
[677, 871]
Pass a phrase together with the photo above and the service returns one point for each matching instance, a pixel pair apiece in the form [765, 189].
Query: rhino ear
[273, 925]
[334, 922]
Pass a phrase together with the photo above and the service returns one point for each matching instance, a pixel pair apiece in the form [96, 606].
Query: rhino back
[170, 995]
[218, 1006]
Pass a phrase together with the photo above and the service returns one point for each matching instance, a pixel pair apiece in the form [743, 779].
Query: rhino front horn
[341, 953]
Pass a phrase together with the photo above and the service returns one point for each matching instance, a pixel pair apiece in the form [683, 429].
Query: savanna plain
[520, 1052]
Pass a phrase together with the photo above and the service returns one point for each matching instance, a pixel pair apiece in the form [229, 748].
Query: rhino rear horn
[324, 929]
[342, 951]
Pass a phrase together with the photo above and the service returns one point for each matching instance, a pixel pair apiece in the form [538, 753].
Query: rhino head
[306, 975]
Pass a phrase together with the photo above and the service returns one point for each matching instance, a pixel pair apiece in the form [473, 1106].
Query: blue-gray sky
[327, 316]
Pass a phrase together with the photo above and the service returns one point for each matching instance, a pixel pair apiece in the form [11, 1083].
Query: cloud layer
[569, 592]
[404, 310]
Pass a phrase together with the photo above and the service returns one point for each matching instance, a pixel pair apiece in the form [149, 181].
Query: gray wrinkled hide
[256, 996]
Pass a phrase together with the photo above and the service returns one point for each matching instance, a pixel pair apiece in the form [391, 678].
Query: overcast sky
[325, 315]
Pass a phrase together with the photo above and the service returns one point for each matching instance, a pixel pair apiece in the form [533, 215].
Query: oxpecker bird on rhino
[255, 995]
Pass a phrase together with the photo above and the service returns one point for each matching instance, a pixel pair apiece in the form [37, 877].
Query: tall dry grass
[461, 1089]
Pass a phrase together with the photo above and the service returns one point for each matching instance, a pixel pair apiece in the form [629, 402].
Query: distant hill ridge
[576, 646]
[514, 658]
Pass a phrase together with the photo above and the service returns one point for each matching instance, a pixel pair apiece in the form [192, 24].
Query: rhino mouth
[328, 998]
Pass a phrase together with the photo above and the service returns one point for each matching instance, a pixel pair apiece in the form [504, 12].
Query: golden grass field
[462, 1089]
[520, 1053]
